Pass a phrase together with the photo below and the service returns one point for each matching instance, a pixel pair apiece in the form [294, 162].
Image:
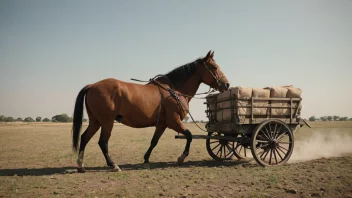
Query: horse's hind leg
[85, 137]
[103, 143]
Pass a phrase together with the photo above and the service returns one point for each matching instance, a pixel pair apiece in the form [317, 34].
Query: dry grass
[37, 160]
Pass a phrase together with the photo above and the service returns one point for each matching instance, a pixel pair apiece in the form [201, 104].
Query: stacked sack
[283, 92]
[244, 106]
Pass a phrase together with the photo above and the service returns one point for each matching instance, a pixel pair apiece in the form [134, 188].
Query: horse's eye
[213, 67]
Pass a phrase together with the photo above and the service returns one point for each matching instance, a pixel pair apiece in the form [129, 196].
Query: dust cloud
[321, 145]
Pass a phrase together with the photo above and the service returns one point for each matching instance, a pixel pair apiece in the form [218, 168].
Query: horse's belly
[138, 118]
[138, 105]
[137, 121]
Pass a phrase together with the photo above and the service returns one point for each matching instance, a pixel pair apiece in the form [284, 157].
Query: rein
[167, 89]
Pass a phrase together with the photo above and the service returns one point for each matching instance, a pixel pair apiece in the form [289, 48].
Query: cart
[260, 126]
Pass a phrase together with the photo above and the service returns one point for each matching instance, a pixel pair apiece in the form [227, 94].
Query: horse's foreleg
[185, 153]
[157, 134]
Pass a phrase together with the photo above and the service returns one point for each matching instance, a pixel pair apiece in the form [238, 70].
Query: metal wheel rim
[218, 149]
[241, 151]
[272, 143]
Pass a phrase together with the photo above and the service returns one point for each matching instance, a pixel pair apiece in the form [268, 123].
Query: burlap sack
[211, 100]
[232, 93]
[243, 92]
[278, 92]
[280, 111]
[260, 111]
[294, 92]
[225, 95]
[243, 108]
[224, 104]
[238, 92]
[223, 115]
[224, 108]
[260, 93]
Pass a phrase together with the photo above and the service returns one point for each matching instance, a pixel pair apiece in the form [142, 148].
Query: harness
[176, 95]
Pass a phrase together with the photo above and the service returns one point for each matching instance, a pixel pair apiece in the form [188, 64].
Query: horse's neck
[190, 86]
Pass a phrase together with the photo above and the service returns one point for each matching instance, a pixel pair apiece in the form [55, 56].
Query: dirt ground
[36, 160]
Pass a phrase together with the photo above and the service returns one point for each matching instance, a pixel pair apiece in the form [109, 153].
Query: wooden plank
[296, 111]
[285, 106]
[260, 99]
[291, 111]
[234, 139]
[244, 121]
[252, 109]
[260, 120]
[272, 99]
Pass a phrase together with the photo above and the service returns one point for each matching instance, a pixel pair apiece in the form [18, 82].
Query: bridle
[218, 80]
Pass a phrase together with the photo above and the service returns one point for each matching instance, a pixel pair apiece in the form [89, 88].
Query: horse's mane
[180, 74]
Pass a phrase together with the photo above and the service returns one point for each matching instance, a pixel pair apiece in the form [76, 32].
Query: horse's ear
[208, 55]
[212, 55]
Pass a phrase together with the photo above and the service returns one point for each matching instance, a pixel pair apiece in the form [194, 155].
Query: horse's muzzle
[224, 86]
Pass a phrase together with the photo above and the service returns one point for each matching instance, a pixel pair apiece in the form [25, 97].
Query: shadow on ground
[124, 167]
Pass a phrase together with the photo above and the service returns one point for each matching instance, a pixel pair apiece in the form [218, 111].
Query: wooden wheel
[220, 150]
[242, 150]
[272, 143]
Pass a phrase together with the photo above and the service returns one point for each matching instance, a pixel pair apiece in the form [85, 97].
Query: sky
[49, 50]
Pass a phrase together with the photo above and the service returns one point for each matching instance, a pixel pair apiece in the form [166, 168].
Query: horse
[162, 102]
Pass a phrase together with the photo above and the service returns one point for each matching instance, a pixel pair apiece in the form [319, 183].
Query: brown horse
[138, 106]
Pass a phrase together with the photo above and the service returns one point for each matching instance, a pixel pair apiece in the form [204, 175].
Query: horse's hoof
[81, 169]
[116, 169]
[181, 159]
[146, 166]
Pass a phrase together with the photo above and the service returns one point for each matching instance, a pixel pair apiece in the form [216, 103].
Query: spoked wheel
[220, 150]
[272, 143]
[242, 150]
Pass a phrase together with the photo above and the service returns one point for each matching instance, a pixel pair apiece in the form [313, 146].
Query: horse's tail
[77, 117]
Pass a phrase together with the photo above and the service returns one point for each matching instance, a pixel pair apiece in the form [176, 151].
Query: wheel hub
[223, 142]
[273, 144]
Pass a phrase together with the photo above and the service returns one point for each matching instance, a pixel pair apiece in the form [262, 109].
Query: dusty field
[37, 160]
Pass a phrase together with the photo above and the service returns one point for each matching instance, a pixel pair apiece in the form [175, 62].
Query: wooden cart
[259, 128]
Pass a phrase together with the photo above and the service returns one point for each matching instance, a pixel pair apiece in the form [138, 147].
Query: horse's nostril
[227, 85]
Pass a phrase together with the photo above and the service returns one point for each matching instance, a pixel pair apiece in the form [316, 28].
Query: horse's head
[211, 73]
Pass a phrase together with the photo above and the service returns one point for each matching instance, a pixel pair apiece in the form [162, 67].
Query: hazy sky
[50, 49]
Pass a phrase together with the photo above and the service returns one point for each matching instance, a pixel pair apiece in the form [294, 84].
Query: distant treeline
[186, 119]
[66, 118]
[56, 118]
[329, 118]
